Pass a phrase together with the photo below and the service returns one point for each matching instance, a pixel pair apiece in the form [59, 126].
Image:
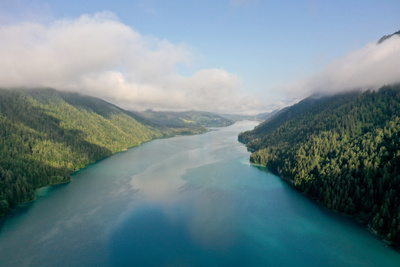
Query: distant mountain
[185, 119]
[267, 115]
[385, 37]
[45, 135]
[258, 117]
[344, 151]
[236, 117]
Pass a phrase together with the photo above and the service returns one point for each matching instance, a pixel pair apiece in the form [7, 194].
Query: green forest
[45, 135]
[343, 150]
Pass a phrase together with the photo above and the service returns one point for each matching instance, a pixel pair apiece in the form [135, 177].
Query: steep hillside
[45, 135]
[313, 104]
[344, 151]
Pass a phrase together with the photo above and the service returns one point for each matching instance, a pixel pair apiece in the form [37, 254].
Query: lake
[183, 201]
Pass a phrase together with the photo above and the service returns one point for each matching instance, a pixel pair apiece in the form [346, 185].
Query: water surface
[186, 201]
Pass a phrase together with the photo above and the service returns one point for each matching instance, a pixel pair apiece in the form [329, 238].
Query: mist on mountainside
[102, 57]
[368, 68]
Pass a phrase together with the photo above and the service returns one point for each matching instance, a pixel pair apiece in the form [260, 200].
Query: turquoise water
[183, 201]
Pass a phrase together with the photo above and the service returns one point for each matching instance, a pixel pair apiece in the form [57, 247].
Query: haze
[230, 57]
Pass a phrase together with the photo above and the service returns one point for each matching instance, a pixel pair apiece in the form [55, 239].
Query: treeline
[345, 152]
[45, 135]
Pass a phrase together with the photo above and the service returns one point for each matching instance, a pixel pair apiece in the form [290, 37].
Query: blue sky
[255, 48]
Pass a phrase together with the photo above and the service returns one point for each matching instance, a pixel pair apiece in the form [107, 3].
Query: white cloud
[367, 68]
[100, 56]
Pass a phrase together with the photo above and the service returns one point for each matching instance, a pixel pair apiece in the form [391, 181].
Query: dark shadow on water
[149, 237]
[22, 210]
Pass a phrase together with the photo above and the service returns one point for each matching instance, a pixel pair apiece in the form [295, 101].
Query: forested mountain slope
[313, 104]
[344, 151]
[45, 135]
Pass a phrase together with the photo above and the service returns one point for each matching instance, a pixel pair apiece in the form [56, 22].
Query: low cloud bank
[370, 67]
[100, 56]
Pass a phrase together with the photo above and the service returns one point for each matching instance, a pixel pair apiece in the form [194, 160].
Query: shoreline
[366, 225]
[96, 161]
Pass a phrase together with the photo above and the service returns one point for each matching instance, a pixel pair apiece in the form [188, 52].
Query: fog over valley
[370, 67]
[222, 66]
[100, 56]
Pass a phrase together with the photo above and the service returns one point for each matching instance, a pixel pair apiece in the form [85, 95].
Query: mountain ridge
[385, 37]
